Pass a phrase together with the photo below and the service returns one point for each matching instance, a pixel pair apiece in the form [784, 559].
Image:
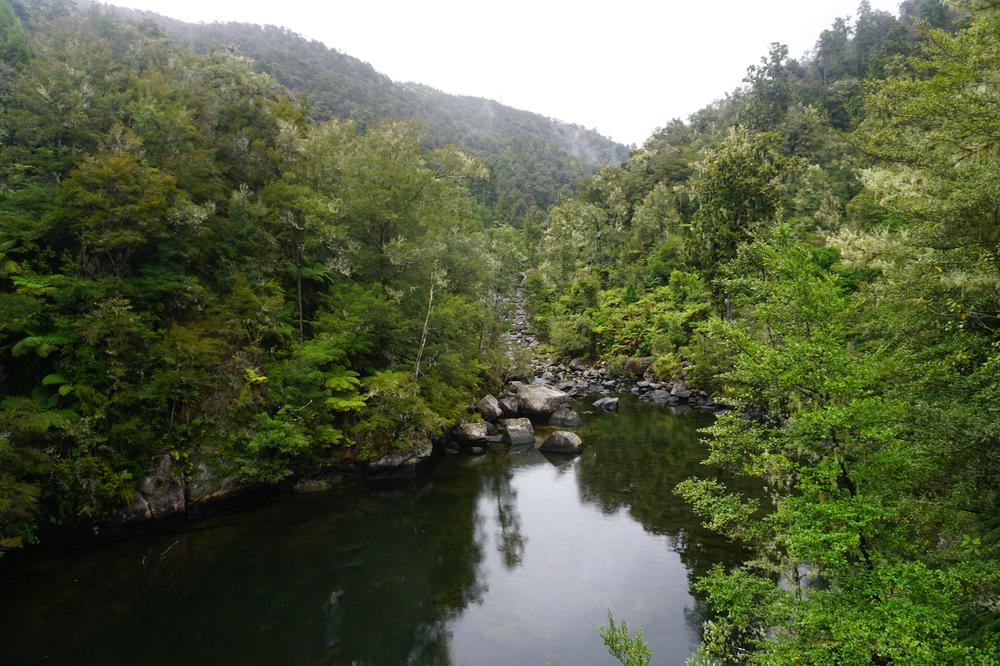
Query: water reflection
[635, 459]
[510, 540]
[507, 557]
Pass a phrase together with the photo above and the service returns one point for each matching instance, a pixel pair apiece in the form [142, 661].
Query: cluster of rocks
[167, 493]
[519, 335]
[579, 378]
[510, 419]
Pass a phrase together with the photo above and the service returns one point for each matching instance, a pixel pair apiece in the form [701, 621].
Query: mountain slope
[534, 160]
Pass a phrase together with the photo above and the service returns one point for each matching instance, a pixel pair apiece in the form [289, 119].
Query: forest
[268, 261]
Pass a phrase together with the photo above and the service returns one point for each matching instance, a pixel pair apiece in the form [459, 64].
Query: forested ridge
[192, 266]
[533, 161]
[821, 247]
[199, 259]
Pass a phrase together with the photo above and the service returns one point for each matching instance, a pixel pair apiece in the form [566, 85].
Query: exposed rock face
[475, 432]
[540, 399]
[579, 365]
[208, 483]
[137, 510]
[162, 492]
[564, 416]
[607, 404]
[562, 441]
[401, 461]
[519, 431]
[489, 408]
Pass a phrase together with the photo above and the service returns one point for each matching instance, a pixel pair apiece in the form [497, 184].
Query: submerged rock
[401, 460]
[607, 404]
[315, 485]
[564, 416]
[562, 441]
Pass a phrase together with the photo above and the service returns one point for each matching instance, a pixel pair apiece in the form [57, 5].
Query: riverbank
[510, 556]
[523, 414]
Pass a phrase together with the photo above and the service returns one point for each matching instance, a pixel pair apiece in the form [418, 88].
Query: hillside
[534, 160]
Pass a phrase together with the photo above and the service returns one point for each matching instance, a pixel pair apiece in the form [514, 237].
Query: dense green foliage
[189, 264]
[533, 160]
[194, 260]
[821, 248]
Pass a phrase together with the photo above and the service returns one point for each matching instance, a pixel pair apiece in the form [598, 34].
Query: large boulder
[469, 433]
[607, 404]
[564, 416]
[579, 365]
[540, 399]
[519, 432]
[162, 490]
[562, 441]
[637, 365]
[659, 396]
[489, 408]
[509, 405]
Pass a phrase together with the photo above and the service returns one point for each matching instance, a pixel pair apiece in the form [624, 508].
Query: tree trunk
[423, 335]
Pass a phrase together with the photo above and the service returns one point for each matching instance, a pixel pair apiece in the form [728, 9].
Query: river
[505, 558]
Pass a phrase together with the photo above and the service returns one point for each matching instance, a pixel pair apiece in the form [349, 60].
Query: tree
[819, 429]
[735, 187]
[114, 206]
[771, 91]
[13, 39]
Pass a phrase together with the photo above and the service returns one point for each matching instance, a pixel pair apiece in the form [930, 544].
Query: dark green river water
[506, 558]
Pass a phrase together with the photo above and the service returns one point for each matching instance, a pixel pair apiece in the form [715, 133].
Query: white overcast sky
[623, 67]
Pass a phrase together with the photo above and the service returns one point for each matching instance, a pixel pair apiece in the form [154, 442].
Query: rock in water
[519, 431]
[304, 486]
[680, 390]
[659, 396]
[475, 432]
[564, 416]
[607, 404]
[398, 461]
[562, 441]
[540, 399]
[489, 408]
